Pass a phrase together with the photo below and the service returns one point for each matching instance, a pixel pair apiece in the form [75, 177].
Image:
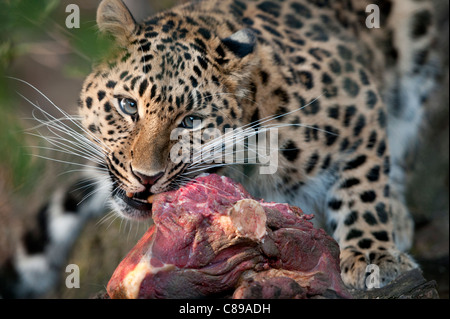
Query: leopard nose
[148, 180]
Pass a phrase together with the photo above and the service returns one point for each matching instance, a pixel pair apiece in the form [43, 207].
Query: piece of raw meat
[212, 239]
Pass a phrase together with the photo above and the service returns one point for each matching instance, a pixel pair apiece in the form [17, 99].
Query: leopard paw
[373, 269]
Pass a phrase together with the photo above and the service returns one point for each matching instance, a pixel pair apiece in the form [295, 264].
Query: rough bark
[410, 285]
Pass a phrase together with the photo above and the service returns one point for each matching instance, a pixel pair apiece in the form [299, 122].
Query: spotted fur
[357, 92]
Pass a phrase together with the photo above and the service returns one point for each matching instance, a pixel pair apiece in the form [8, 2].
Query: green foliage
[89, 47]
[22, 169]
[24, 22]
[18, 20]
[24, 14]
[24, 25]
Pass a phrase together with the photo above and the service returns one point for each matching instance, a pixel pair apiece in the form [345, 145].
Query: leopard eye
[128, 106]
[191, 122]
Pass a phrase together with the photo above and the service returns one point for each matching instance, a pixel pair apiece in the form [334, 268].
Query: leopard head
[169, 76]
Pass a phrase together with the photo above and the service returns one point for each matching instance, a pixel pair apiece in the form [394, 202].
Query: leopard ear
[240, 67]
[241, 43]
[113, 17]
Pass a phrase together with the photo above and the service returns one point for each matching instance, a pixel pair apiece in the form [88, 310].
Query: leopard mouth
[140, 201]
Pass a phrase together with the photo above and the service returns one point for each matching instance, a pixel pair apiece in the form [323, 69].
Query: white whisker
[65, 114]
[65, 162]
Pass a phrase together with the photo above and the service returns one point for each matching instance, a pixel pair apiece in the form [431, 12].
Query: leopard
[344, 95]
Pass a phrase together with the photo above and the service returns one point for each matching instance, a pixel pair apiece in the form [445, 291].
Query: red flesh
[196, 248]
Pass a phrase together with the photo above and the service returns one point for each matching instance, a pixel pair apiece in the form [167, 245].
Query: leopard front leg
[360, 218]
